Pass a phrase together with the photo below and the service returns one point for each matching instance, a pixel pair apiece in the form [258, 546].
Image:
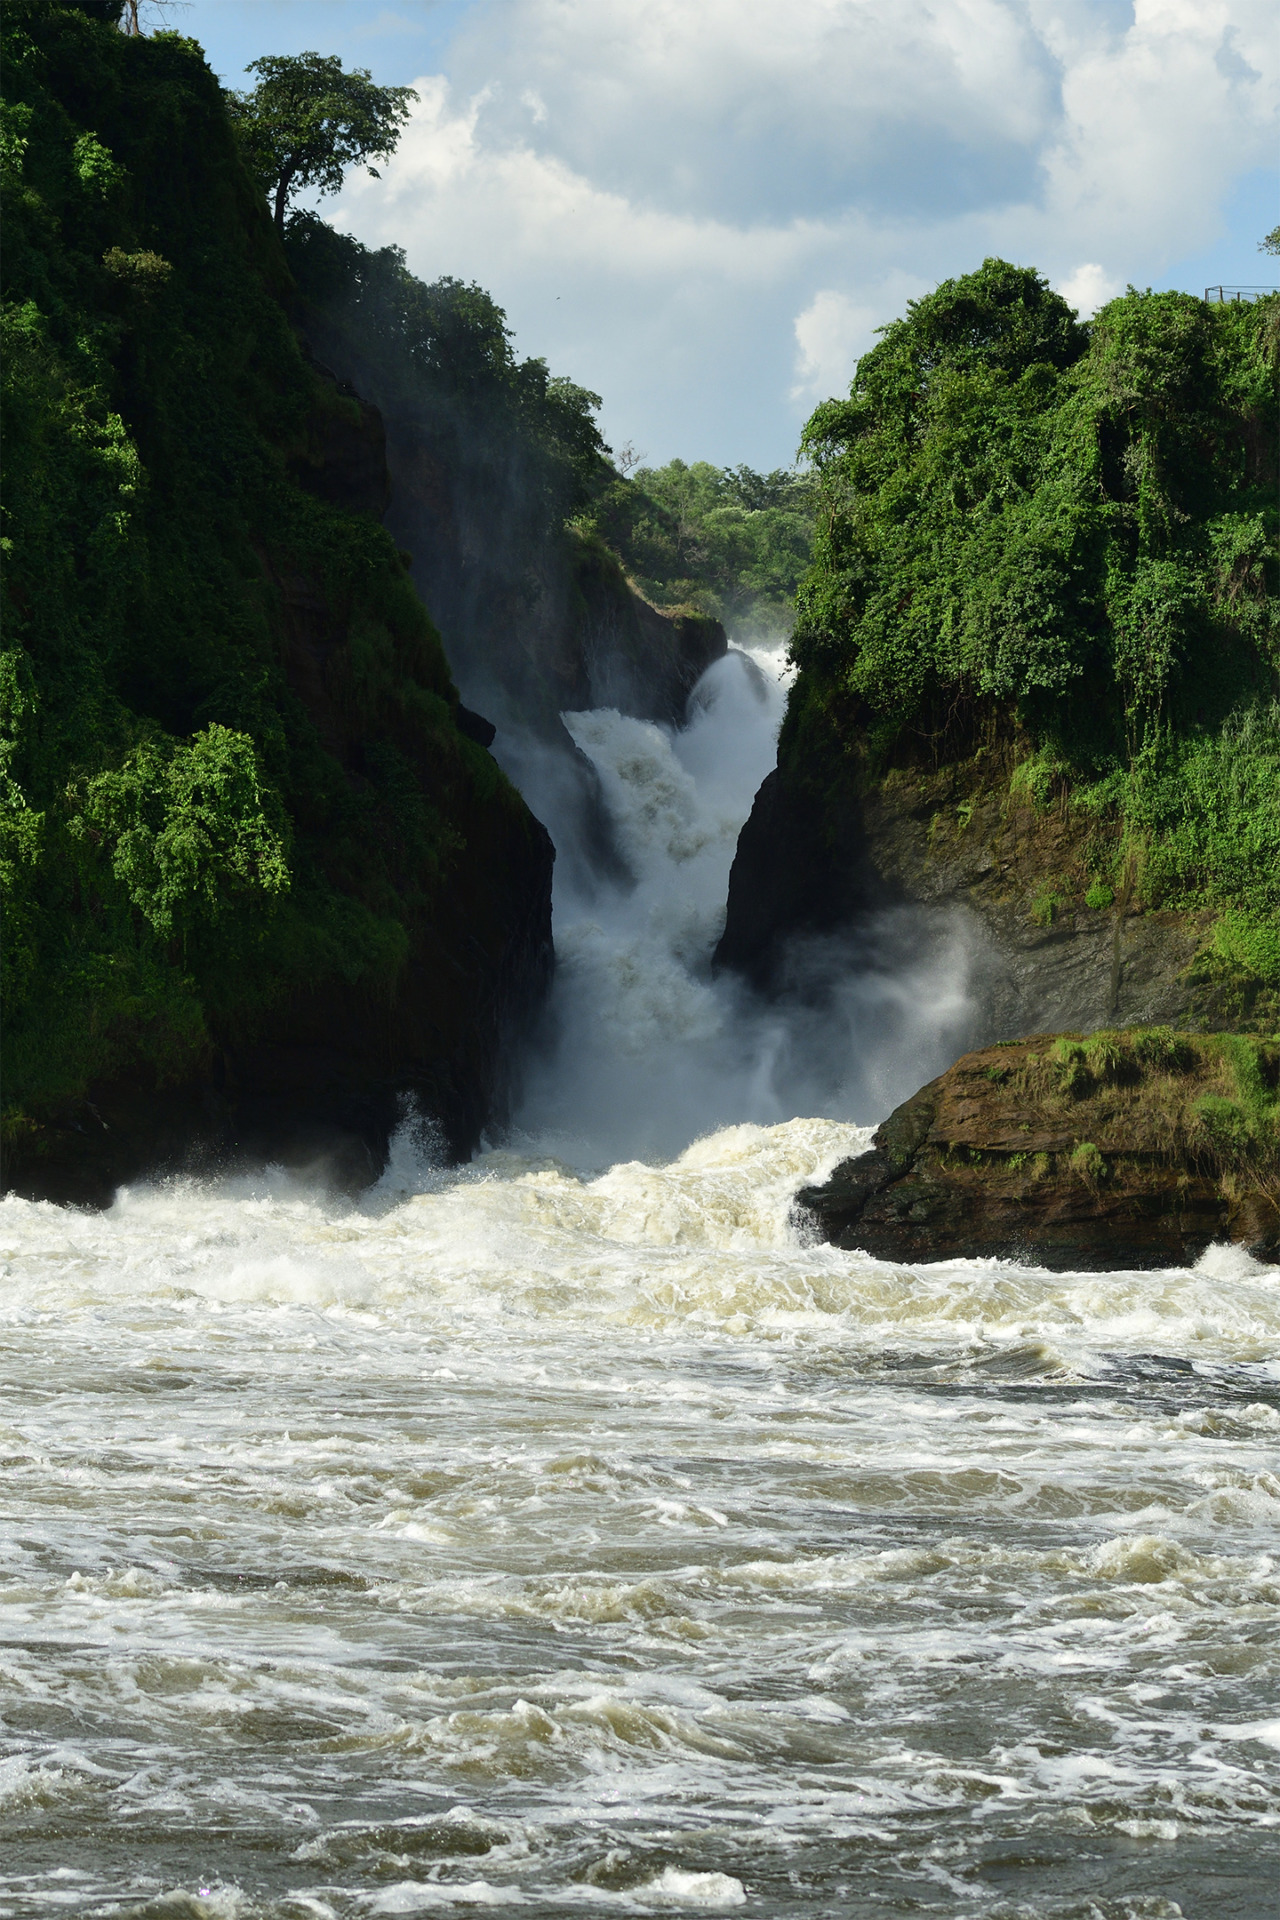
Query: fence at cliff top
[1236, 296]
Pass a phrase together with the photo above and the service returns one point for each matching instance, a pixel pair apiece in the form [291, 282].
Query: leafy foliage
[230, 772]
[189, 826]
[1067, 534]
[730, 541]
[307, 121]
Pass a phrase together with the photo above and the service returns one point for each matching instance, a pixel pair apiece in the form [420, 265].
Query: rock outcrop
[168, 1009]
[323, 1086]
[964, 840]
[1130, 1149]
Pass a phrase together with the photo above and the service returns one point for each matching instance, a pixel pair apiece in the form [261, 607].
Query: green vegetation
[1088, 1164]
[231, 774]
[1210, 1098]
[307, 121]
[444, 349]
[731, 542]
[1059, 541]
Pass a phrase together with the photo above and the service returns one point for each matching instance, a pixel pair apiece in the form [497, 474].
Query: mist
[643, 1048]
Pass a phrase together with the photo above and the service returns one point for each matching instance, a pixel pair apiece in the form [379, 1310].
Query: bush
[1064, 537]
[189, 828]
[1088, 1164]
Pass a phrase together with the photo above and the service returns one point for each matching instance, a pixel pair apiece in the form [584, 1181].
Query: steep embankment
[1128, 1149]
[495, 464]
[1038, 659]
[259, 880]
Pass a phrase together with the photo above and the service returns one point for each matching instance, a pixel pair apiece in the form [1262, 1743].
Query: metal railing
[1234, 296]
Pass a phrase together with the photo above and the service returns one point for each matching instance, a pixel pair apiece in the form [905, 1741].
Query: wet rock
[1134, 1149]
[476, 727]
[827, 842]
[788, 877]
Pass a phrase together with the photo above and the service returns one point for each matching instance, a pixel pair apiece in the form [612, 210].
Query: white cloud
[1089, 287]
[834, 331]
[830, 334]
[1153, 128]
[743, 105]
[511, 203]
[704, 211]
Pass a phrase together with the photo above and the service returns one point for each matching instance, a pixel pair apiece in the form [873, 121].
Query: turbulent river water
[564, 1535]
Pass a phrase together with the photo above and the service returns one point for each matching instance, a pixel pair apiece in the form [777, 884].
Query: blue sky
[702, 209]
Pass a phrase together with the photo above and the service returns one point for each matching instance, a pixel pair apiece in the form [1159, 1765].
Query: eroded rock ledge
[1133, 1148]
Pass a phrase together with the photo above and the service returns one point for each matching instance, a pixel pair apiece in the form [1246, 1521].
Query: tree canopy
[731, 541]
[1067, 533]
[307, 121]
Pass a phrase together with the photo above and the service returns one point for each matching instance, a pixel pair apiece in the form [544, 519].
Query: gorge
[638, 1275]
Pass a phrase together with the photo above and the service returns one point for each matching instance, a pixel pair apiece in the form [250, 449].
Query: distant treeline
[733, 542]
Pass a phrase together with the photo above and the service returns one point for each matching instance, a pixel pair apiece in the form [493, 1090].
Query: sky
[703, 209]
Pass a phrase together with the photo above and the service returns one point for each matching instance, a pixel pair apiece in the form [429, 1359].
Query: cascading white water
[648, 1050]
[539, 1538]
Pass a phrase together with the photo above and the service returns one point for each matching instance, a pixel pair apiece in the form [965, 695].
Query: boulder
[1130, 1149]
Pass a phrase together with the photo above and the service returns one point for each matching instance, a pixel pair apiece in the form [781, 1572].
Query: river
[564, 1535]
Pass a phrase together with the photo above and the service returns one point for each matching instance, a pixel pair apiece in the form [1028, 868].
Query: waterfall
[644, 1049]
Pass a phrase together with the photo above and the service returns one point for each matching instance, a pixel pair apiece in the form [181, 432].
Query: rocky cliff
[491, 460]
[1050, 945]
[1037, 685]
[265, 890]
[1126, 1149]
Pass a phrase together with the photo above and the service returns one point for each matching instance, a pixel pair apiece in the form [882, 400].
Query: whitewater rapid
[565, 1534]
[520, 1540]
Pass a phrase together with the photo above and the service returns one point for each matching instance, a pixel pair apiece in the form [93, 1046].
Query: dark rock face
[533, 626]
[534, 632]
[1019, 1151]
[958, 842]
[788, 877]
[476, 727]
[323, 1094]
[323, 1091]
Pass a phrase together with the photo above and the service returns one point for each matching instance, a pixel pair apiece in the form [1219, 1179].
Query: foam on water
[646, 1049]
[597, 1532]
[564, 1533]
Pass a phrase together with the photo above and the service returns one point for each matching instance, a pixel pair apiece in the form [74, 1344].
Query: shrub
[188, 827]
[1088, 1164]
[1163, 1049]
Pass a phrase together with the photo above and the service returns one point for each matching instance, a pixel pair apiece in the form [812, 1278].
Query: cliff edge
[1126, 1149]
[1038, 657]
[265, 890]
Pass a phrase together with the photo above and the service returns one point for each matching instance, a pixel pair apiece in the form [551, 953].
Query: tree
[131, 11]
[1271, 244]
[307, 121]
